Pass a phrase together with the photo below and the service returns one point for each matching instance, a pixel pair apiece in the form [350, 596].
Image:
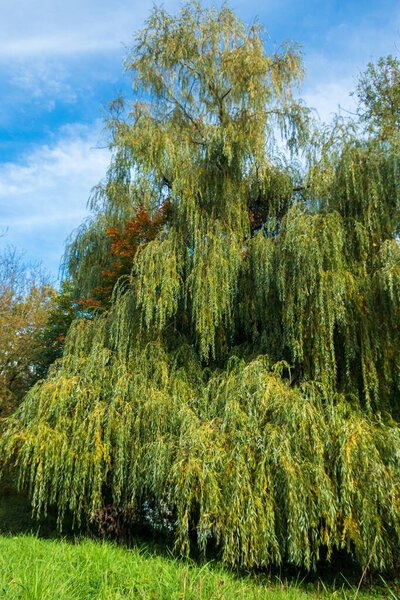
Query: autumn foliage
[138, 231]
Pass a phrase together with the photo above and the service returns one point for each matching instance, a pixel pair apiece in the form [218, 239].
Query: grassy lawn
[41, 569]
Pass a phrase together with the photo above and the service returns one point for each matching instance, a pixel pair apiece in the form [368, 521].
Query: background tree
[245, 373]
[138, 231]
[49, 339]
[379, 94]
[25, 296]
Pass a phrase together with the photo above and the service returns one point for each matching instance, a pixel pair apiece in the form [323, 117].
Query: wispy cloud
[43, 196]
[55, 45]
[53, 53]
[330, 98]
[334, 66]
[57, 28]
[46, 82]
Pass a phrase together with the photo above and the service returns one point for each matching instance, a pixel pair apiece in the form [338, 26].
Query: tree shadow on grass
[341, 572]
[16, 516]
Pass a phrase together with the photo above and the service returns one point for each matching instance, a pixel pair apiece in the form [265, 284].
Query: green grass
[34, 568]
[41, 569]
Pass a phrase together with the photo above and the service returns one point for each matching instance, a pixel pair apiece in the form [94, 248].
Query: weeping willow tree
[245, 376]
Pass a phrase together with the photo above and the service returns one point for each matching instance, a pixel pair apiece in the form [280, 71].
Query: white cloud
[43, 196]
[333, 68]
[45, 81]
[58, 28]
[46, 46]
[328, 97]
[64, 44]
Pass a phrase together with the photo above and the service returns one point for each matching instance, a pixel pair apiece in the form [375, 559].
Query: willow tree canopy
[246, 375]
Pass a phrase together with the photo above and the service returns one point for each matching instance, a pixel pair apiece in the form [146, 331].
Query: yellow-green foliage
[273, 472]
[246, 376]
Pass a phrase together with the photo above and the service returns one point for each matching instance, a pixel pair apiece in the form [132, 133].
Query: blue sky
[61, 62]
